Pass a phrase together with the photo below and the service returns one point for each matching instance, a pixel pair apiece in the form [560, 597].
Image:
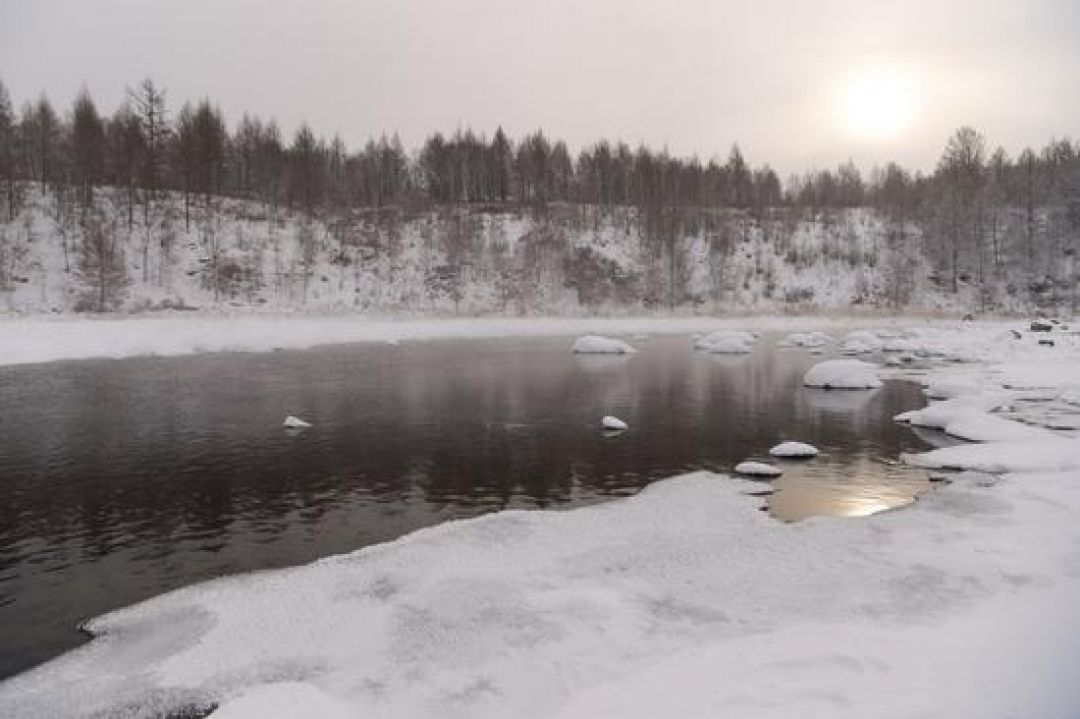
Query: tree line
[978, 214]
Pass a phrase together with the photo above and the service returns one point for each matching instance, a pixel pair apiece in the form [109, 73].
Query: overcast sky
[696, 75]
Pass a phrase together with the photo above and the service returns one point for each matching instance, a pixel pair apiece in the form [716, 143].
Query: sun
[878, 103]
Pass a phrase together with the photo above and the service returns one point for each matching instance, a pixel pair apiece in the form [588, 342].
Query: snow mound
[860, 342]
[1039, 455]
[595, 344]
[939, 415]
[295, 423]
[977, 426]
[794, 450]
[726, 342]
[613, 423]
[757, 469]
[949, 387]
[805, 339]
[842, 374]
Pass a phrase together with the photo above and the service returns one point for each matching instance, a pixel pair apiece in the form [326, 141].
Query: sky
[797, 84]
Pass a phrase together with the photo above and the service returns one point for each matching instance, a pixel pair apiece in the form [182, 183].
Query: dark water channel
[123, 479]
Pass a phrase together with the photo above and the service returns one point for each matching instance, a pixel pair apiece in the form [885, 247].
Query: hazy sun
[878, 103]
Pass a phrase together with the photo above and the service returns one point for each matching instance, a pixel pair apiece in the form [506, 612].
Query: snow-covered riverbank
[682, 601]
[43, 338]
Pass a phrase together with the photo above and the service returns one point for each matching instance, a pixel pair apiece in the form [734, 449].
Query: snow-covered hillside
[234, 255]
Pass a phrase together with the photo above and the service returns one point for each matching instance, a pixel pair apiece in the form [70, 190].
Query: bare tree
[100, 265]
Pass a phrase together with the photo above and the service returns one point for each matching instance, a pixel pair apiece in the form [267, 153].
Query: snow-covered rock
[295, 423]
[860, 342]
[613, 423]
[805, 339]
[757, 469]
[595, 344]
[794, 450]
[842, 374]
[726, 342]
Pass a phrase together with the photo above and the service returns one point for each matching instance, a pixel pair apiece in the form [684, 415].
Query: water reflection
[121, 480]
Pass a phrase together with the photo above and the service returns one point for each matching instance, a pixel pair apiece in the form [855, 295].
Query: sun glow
[879, 103]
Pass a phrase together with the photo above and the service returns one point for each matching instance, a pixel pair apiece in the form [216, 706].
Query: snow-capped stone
[595, 344]
[610, 422]
[805, 339]
[757, 469]
[860, 342]
[295, 423]
[726, 342]
[794, 450]
[842, 374]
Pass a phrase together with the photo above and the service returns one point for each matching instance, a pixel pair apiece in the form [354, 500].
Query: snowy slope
[565, 260]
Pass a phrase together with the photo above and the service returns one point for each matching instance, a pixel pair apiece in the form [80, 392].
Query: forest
[124, 204]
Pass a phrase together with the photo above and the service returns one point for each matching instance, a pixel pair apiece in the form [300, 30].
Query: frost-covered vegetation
[160, 207]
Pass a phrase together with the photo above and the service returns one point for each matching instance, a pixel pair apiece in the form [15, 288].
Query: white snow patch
[977, 426]
[860, 342]
[757, 469]
[805, 339]
[595, 344]
[295, 423]
[1039, 455]
[842, 374]
[609, 422]
[951, 386]
[794, 450]
[726, 342]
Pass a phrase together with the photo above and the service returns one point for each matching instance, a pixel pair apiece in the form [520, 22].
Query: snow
[842, 374]
[595, 344]
[794, 450]
[983, 427]
[805, 339]
[951, 386]
[1059, 454]
[614, 423]
[44, 339]
[726, 342]
[295, 423]
[860, 342]
[681, 601]
[757, 469]
[939, 415]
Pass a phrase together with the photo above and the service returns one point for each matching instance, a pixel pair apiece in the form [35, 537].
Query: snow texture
[805, 339]
[595, 344]
[794, 450]
[613, 423]
[726, 342]
[295, 423]
[842, 374]
[757, 469]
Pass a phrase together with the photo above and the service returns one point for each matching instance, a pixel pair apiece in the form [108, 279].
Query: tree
[100, 266]
[7, 149]
[87, 146]
[960, 171]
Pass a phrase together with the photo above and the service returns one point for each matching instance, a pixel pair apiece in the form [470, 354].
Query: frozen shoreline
[27, 340]
[681, 601]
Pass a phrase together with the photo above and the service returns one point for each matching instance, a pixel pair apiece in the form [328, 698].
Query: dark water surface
[123, 479]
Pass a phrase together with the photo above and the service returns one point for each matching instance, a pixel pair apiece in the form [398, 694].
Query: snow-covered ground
[683, 601]
[566, 260]
[46, 338]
